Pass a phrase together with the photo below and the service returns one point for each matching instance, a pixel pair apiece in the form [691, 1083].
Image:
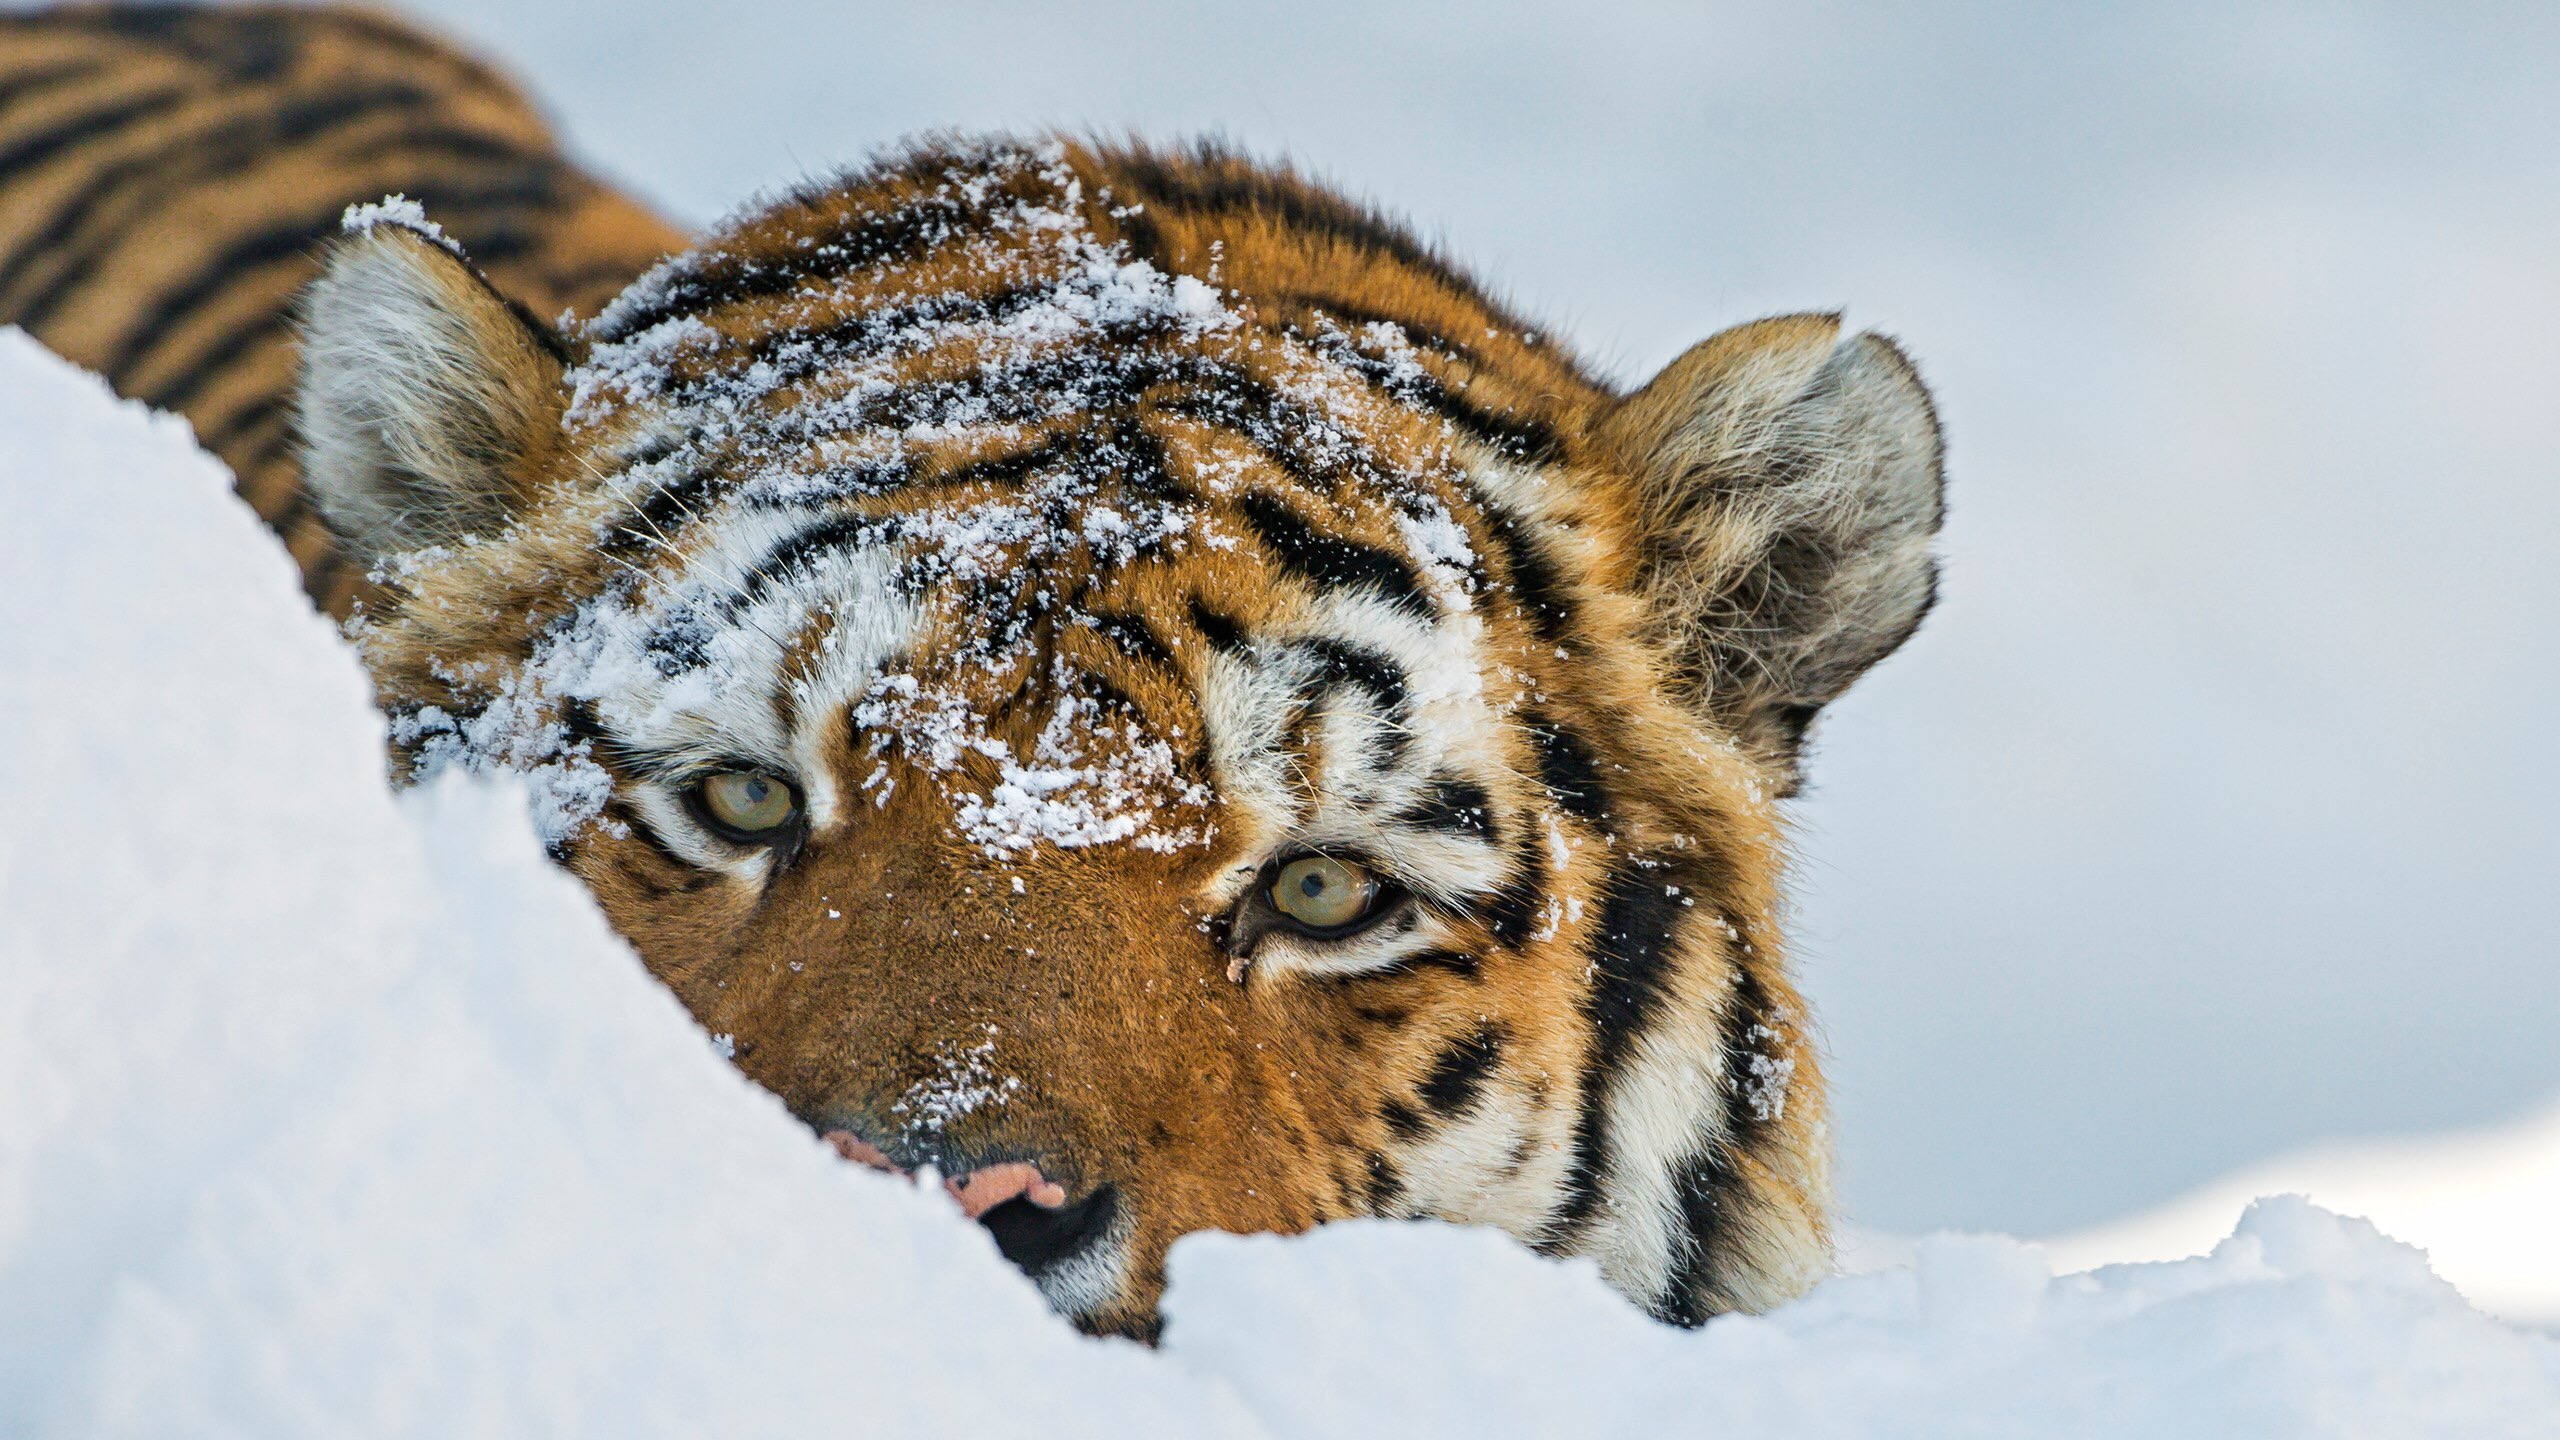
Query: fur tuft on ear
[1788, 489]
[425, 397]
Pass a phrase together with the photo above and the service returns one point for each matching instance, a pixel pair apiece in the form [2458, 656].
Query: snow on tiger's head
[1125, 680]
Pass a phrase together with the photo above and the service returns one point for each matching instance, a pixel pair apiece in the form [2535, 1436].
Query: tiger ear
[1789, 488]
[426, 399]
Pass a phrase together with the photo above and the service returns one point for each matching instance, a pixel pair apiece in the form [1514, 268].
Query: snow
[398, 211]
[2301, 1323]
[325, 1113]
[2481, 1203]
[328, 1111]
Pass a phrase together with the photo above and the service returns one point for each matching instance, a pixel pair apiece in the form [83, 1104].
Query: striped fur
[1080, 533]
[167, 174]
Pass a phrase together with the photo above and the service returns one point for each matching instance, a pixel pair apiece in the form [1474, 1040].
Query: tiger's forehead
[941, 468]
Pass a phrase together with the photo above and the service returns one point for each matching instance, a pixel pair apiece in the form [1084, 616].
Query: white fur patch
[415, 382]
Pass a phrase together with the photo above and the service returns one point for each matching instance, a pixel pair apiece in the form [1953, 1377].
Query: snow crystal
[400, 212]
[1090, 779]
[514, 734]
[965, 1083]
[1764, 1087]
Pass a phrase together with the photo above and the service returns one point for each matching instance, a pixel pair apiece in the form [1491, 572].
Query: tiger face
[1124, 682]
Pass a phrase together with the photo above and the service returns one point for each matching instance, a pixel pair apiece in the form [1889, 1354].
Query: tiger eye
[750, 802]
[1323, 893]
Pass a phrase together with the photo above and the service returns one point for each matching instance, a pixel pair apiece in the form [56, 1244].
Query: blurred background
[2212, 816]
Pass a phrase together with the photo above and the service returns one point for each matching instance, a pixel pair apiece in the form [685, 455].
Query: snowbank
[325, 1112]
[2483, 1204]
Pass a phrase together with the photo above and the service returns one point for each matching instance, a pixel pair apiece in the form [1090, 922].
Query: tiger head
[1124, 681]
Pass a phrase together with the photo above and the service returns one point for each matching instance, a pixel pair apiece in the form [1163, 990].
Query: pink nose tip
[979, 1191]
[983, 1190]
[861, 1152]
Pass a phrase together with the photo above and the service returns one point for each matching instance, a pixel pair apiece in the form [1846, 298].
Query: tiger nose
[1035, 1223]
[1041, 1238]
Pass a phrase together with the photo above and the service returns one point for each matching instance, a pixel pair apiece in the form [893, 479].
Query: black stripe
[1639, 926]
[1339, 662]
[444, 140]
[1328, 562]
[25, 83]
[1354, 316]
[1385, 1017]
[1520, 437]
[294, 240]
[1707, 1190]
[35, 147]
[1114, 700]
[272, 448]
[1511, 912]
[295, 508]
[1146, 468]
[1222, 631]
[245, 47]
[180, 389]
[1212, 179]
[1404, 1120]
[1029, 394]
[1454, 806]
[1458, 1073]
[795, 550]
[214, 434]
[729, 278]
[324, 573]
[1057, 447]
[1537, 586]
[1258, 416]
[1709, 1187]
[1568, 769]
[1133, 637]
[1144, 238]
[395, 36]
[1748, 1036]
[655, 520]
[1452, 962]
[1384, 1186]
[695, 877]
[225, 150]
[681, 644]
[579, 721]
[793, 352]
[1524, 438]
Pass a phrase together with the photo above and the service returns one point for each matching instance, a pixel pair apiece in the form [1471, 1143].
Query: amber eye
[1322, 893]
[746, 804]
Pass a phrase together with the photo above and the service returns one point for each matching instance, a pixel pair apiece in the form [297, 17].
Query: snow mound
[327, 1112]
[2481, 1203]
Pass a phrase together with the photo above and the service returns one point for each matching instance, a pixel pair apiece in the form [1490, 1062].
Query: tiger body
[1120, 677]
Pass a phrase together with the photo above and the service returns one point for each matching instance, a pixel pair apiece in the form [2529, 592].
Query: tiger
[1109, 678]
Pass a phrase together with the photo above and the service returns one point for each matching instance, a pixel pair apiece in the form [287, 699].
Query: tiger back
[167, 174]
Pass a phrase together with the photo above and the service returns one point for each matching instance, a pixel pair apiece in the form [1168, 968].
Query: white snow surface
[2482, 1203]
[327, 1111]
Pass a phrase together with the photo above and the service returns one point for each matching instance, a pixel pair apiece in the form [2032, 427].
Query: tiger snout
[1067, 1059]
[1064, 1240]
